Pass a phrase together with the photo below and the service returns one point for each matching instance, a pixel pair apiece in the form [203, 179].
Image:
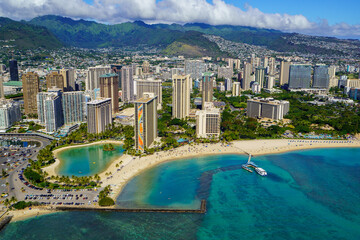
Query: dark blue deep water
[311, 194]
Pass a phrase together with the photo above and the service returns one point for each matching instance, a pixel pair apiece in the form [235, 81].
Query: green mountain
[26, 36]
[193, 44]
[90, 34]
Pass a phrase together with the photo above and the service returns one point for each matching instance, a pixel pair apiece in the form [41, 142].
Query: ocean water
[87, 160]
[310, 194]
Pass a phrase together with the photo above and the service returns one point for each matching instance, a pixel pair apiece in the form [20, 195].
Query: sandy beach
[132, 166]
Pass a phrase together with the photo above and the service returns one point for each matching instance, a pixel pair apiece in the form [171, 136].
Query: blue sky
[334, 11]
[315, 17]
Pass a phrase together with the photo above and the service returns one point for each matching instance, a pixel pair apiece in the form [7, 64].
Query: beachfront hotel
[99, 115]
[267, 108]
[208, 121]
[207, 87]
[145, 121]
[181, 96]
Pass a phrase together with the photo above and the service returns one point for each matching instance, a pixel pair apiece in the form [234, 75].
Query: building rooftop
[144, 100]
[101, 100]
[109, 75]
[208, 74]
[13, 84]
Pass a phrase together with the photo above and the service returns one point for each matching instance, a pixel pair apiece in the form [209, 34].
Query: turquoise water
[312, 194]
[87, 160]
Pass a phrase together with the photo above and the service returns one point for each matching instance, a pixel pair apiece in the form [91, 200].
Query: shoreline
[133, 166]
[52, 169]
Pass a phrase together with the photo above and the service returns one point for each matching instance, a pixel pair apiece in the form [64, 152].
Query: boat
[261, 171]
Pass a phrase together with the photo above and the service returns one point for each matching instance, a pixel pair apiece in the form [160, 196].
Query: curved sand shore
[132, 166]
[52, 169]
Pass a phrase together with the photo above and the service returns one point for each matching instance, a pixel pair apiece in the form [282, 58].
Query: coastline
[133, 166]
[52, 169]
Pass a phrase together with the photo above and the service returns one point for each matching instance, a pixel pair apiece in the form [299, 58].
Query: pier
[201, 210]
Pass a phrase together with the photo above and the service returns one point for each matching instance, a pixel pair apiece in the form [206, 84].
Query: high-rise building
[208, 122]
[127, 84]
[333, 80]
[2, 93]
[69, 79]
[236, 89]
[300, 76]
[321, 76]
[73, 107]
[237, 64]
[55, 80]
[247, 77]
[195, 68]
[109, 88]
[146, 67]
[145, 121]
[92, 80]
[181, 96]
[50, 109]
[267, 108]
[14, 72]
[284, 72]
[99, 115]
[207, 87]
[272, 66]
[228, 84]
[260, 76]
[225, 72]
[9, 113]
[256, 88]
[266, 62]
[149, 86]
[231, 63]
[270, 82]
[30, 82]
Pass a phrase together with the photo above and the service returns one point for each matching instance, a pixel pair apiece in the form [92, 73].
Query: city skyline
[338, 19]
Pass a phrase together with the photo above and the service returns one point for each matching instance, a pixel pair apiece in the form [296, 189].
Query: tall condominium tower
[9, 113]
[247, 77]
[109, 88]
[145, 121]
[236, 89]
[73, 107]
[321, 76]
[50, 109]
[300, 76]
[30, 82]
[195, 68]
[260, 76]
[99, 115]
[284, 72]
[146, 67]
[69, 79]
[149, 86]
[181, 96]
[334, 81]
[207, 87]
[92, 80]
[55, 80]
[14, 72]
[2, 93]
[272, 66]
[127, 84]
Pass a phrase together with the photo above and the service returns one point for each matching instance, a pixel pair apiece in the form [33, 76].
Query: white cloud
[168, 11]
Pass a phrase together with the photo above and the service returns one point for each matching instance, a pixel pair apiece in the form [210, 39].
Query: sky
[316, 17]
